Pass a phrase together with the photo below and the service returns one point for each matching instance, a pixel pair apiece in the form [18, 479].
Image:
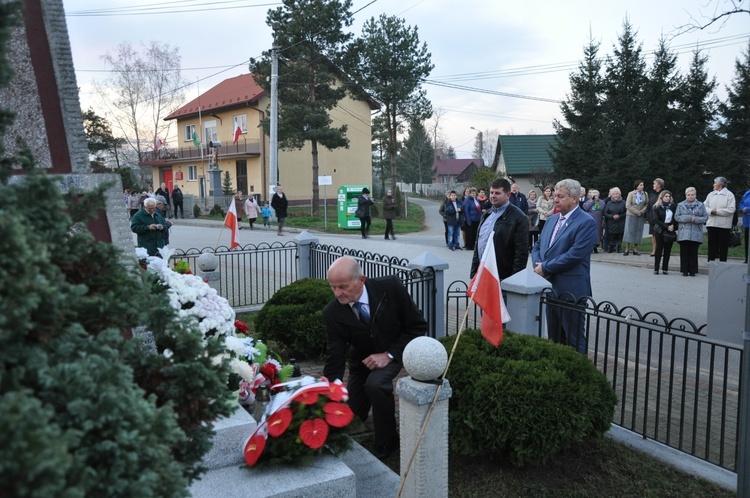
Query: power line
[166, 8]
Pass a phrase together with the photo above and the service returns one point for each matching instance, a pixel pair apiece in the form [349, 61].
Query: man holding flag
[501, 250]
[562, 255]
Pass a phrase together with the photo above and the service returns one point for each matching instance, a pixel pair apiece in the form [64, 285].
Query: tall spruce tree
[579, 150]
[735, 127]
[390, 62]
[658, 133]
[695, 133]
[417, 155]
[625, 112]
[310, 36]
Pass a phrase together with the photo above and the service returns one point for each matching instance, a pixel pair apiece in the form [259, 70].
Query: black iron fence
[419, 283]
[675, 385]
[251, 274]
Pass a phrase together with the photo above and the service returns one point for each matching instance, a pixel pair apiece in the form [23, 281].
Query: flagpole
[434, 402]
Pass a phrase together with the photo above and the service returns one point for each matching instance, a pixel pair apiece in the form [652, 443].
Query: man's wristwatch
[390, 356]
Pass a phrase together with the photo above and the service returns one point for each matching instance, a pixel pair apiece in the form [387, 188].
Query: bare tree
[542, 178]
[435, 130]
[722, 10]
[142, 90]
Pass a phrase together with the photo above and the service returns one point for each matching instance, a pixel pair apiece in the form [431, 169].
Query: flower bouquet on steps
[301, 421]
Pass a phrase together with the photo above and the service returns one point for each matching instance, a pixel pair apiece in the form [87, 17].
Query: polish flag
[159, 145]
[237, 133]
[231, 222]
[484, 289]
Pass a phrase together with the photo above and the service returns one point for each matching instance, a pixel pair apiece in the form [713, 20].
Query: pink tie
[557, 227]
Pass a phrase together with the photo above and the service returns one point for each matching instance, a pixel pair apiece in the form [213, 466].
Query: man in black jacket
[511, 228]
[372, 320]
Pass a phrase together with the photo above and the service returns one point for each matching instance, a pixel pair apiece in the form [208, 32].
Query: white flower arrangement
[191, 297]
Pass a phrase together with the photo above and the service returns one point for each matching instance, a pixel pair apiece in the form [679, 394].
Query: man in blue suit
[562, 255]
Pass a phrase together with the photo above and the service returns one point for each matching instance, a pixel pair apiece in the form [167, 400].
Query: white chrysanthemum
[141, 253]
[243, 369]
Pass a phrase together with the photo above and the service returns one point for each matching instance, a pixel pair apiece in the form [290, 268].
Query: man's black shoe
[385, 450]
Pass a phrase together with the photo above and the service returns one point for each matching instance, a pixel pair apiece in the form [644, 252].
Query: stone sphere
[425, 358]
[208, 261]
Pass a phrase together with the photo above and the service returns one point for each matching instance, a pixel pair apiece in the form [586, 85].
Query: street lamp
[481, 141]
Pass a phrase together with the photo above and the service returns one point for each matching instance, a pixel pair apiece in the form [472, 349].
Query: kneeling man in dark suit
[371, 320]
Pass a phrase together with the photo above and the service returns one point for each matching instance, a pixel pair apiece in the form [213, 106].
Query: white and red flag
[237, 133]
[158, 145]
[484, 289]
[231, 222]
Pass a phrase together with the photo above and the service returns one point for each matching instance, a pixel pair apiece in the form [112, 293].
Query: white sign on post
[325, 180]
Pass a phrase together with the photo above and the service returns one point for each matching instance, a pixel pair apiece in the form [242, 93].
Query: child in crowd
[266, 212]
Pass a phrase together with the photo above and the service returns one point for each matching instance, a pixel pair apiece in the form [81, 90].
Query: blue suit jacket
[567, 261]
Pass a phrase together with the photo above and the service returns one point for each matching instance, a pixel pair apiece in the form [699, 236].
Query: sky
[511, 61]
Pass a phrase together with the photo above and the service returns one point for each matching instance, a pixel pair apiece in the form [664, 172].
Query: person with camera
[150, 227]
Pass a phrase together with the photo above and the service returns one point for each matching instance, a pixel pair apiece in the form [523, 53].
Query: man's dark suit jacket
[511, 242]
[395, 320]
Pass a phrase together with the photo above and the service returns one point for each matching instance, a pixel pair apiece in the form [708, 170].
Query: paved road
[624, 281]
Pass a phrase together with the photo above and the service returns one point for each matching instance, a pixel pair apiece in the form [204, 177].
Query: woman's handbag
[359, 213]
[668, 236]
[734, 238]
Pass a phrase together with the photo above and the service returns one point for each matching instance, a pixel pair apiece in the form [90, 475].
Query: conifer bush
[524, 401]
[85, 410]
[293, 318]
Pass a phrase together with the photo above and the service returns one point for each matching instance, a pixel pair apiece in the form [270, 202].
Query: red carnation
[269, 370]
[241, 326]
[279, 421]
[338, 414]
[314, 433]
[254, 448]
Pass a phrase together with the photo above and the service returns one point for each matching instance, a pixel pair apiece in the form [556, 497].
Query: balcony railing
[243, 147]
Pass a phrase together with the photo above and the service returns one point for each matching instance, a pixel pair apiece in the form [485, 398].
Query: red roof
[453, 166]
[232, 92]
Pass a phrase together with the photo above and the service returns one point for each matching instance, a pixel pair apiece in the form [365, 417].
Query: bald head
[346, 279]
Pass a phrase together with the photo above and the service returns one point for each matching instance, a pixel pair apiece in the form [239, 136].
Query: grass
[595, 468]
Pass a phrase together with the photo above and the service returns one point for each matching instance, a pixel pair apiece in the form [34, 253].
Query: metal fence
[420, 284]
[251, 274]
[674, 385]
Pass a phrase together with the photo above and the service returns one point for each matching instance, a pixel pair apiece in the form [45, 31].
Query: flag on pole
[159, 145]
[196, 140]
[484, 289]
[231, 222]
[237, 133]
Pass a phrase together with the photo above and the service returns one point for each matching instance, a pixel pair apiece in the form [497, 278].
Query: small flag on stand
[237, 133]
[484, 289]
[231, 222]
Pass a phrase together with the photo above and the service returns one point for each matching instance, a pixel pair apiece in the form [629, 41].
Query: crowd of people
[620, 220]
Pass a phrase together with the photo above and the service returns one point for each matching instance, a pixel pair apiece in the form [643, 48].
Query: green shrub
[524, 401]
[293, 318]
[196, 211]
[216, 211]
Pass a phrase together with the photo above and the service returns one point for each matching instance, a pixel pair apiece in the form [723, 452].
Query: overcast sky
[490, 47]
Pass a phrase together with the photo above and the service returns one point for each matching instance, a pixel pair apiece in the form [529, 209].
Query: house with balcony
[207, 138]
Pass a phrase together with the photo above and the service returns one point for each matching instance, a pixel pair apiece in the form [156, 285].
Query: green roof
[524, 154]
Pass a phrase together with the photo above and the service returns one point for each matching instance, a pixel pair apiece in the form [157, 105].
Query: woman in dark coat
[389, 213]
[363, 211]
[614, 215]
[664, 230]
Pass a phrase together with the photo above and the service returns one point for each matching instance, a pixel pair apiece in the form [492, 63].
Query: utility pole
[274, 152]
[481, 142]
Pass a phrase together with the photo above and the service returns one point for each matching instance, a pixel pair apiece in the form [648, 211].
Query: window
[192, 171]
[241, 120]
[189, 130]
[209, 131]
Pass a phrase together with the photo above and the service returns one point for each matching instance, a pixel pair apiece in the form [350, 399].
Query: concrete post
[304, 265]
[207, 270]
[428, 475]
[523, 291]
[422, 262]
[425, 359]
